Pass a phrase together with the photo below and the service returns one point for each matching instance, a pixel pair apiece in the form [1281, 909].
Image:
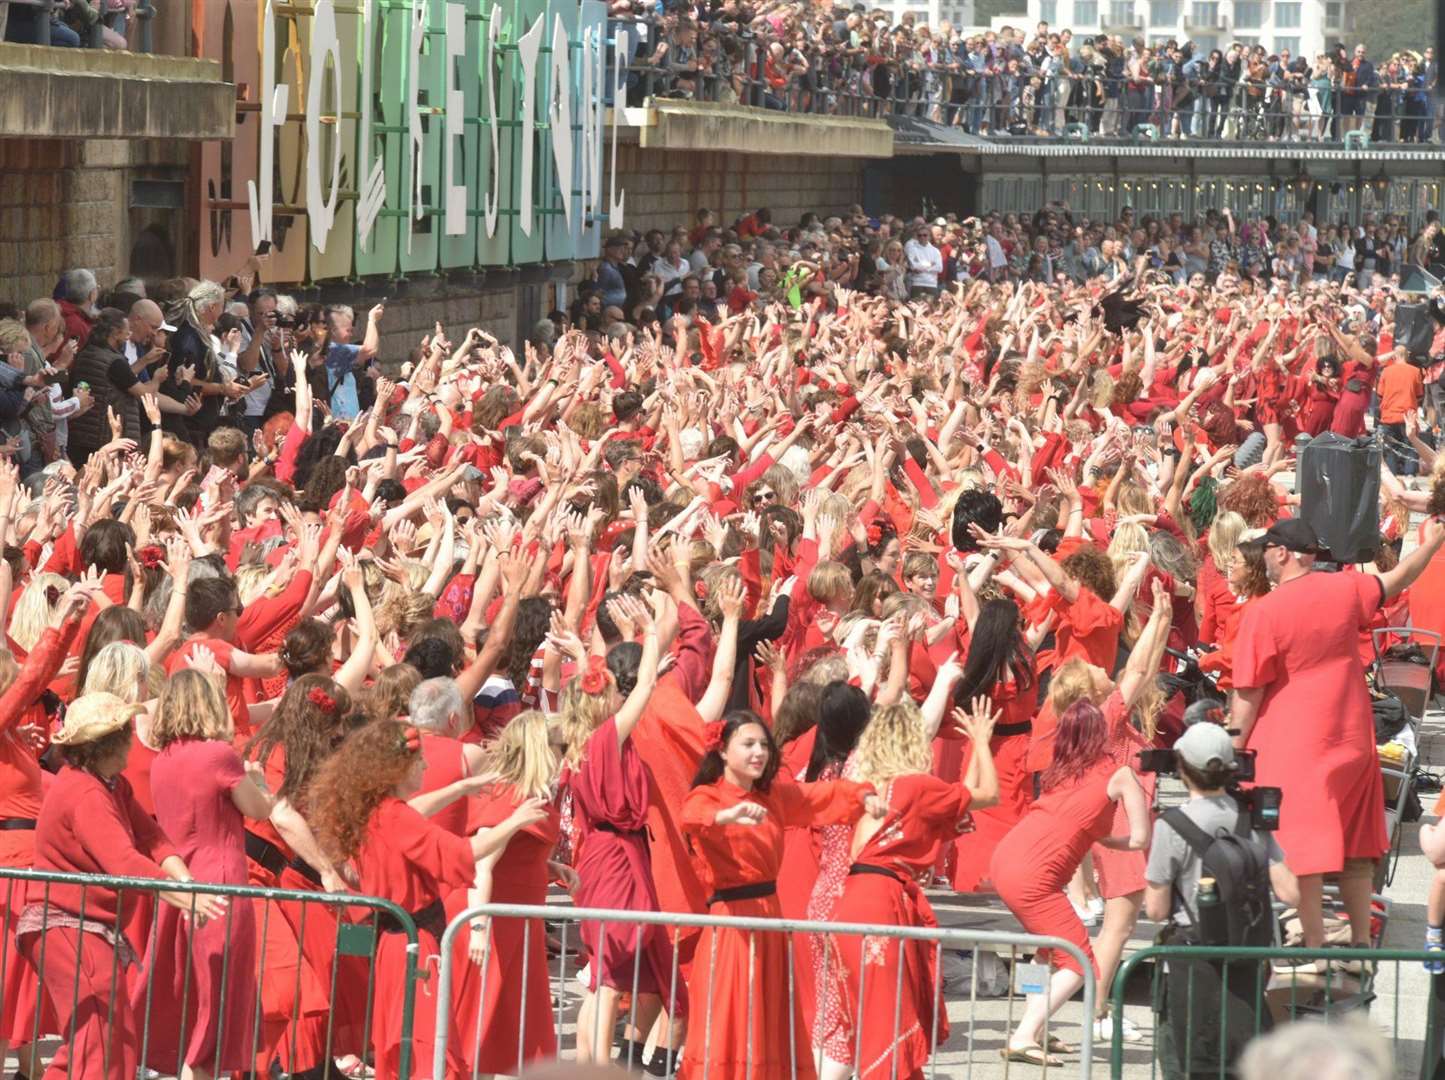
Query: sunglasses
[763, 496]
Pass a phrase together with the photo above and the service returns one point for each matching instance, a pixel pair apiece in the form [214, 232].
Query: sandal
[1056, 1045]
[1030, 1055]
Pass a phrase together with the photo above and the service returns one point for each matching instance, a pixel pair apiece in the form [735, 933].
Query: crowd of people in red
[790, 615]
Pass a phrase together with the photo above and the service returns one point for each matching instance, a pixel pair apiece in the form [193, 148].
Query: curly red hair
[1252, 497]
[366, 769]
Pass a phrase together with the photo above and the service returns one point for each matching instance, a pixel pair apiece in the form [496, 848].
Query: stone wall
[667, 187]
[62, 205]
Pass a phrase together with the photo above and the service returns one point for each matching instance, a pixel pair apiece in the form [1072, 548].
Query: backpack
[1239, 865]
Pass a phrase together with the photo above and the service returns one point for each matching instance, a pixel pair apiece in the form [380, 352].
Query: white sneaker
[1104, 1031]
[1096, 908]
[1085, 912]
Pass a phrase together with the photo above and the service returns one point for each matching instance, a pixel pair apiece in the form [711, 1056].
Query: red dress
[406, 859]
[1088, 628]
[898, 1030]
[87, 826]
[504, 1013]
[298, 964]
[20, 799]
[1315, 731]
[1010, 749]
[822, 1002]
[1037, 858]
[610, 799]
[1121, 873]
[743, 1029]
[187, 970]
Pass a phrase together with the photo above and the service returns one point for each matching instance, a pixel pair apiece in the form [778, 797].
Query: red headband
[322, 700]
[594, 679]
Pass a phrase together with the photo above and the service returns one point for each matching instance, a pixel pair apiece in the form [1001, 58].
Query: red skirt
[26, 1014]
[974, 850]
[894, 1018]
[743, 1027]
[504, 1011]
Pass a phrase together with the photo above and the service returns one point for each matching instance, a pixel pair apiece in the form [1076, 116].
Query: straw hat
[93, 717]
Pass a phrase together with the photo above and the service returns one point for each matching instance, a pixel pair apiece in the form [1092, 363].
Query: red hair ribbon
[699, 587]
[151, 556]
[322, 700]
[875, 533]
[712, 734]
[411, 738]
[594, 679]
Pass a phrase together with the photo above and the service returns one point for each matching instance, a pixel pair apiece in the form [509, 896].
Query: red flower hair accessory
[411, 739]
[322, 700]
[875, 534]
[712, 734]
[594, 679]
[151, 556]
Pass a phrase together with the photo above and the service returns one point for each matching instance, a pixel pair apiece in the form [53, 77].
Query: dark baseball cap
[1294, 534]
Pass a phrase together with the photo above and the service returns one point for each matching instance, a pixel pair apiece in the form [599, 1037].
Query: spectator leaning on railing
[841, 61]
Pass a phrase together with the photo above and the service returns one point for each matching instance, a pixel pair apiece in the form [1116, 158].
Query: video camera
[1261, 803]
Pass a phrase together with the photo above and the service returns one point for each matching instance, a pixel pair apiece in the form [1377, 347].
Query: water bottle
[1213, 919]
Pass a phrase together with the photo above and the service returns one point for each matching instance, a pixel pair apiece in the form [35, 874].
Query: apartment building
[1304, 27]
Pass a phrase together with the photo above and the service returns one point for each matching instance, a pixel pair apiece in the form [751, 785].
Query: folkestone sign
[399, 137]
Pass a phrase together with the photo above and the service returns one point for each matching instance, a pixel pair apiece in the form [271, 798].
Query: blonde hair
[120, 668]
[250, 580]
[1073, 681]
[893, 744]
[829, 581]
[1224, 536]
[192, 706]
[580, 715]
[33, 610]
[521, 755]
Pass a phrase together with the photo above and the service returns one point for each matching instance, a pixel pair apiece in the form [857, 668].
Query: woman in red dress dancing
[1036, 859]
[735, 815]
[358, 810]
[503, 997]
[893, 1021]
[609, 788]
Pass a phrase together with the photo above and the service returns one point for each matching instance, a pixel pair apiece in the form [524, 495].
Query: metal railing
[1232, 994]
[45, 11]
[348, 926]
[737, 68]
[702, 1009]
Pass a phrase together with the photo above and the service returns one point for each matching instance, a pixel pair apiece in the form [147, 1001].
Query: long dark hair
[711, 768]
[995, 649]
[1081, 741]
[843, 717]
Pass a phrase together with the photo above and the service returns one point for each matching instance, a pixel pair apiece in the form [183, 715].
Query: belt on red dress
[17, 824]
[306, 870]
[265, 854]
[881, 871]
[607, 826]
[433, 917]
[756, 891]
[1023, 727]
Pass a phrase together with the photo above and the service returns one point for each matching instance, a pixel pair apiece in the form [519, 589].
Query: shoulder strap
[1192, 834]
[1243, 827]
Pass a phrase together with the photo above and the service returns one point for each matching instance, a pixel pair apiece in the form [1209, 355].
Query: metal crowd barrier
[731, 68]
[351, 924]
[1239, 992]
[564, 920]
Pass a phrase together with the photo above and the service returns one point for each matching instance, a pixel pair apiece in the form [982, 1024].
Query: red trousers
[87, 988]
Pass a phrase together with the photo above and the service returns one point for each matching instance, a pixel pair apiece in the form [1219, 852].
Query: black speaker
[1339, 486]
[1414, 329]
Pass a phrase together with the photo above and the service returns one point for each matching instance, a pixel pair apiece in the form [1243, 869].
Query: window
[1048, 11]
[1204, 14]
[1121, 13]
[1290, 43]
[1247, 39]
[1086, 13]
[1248, 14]
[1164, 12]
[1286, 16]
[1334, 14]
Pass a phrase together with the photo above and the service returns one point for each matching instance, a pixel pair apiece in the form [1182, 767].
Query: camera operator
[1192, 1008]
